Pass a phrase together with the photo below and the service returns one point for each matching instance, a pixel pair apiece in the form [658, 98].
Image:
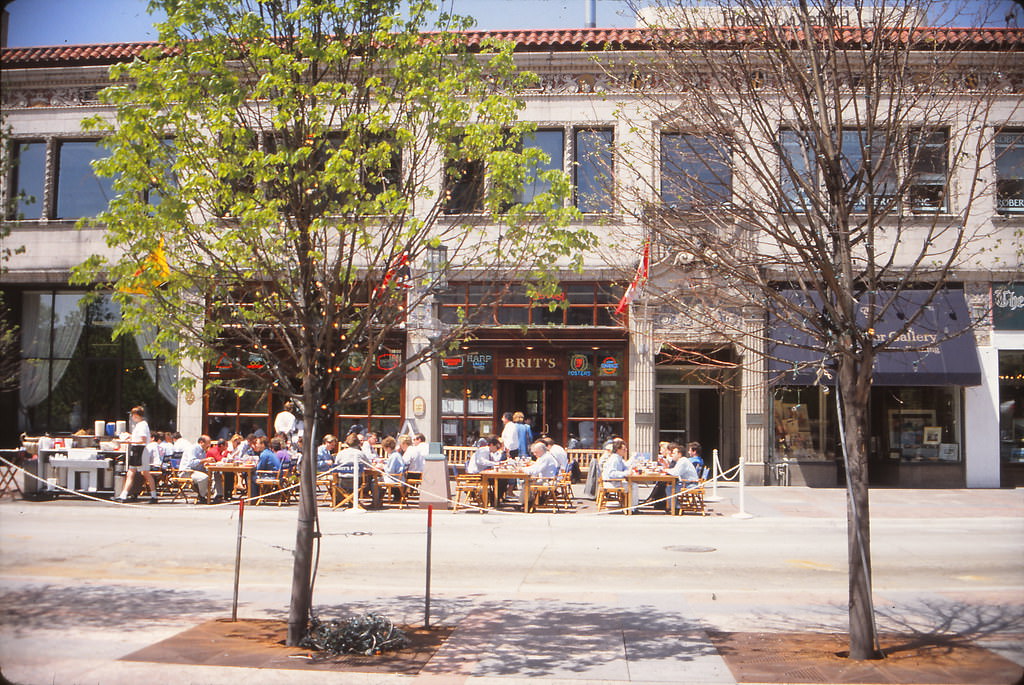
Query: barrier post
[716, 471]
[426, 597]
[742, 513]
[238, 558]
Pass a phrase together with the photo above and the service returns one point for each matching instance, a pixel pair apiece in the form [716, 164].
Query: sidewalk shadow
[54, 607]
[532, 638]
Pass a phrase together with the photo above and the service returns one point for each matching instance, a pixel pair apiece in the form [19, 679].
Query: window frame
[707, 171]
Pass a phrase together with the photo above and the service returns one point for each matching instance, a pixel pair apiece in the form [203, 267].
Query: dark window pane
[609, 399]
[80, 192]
[29, 177]
[695, 171]
[463, 186]
[581, 397]
[929, 155]
[1009, 151]
[594, 171]
[796, 169]
[550, 142]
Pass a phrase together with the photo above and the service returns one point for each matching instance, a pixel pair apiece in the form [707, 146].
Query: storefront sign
[1008, 307]
[388, 361]
[530, 363]
[452, 363]
[579, 365]
[609, 366]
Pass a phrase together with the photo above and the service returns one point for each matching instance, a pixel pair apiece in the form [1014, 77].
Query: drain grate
[689, 548]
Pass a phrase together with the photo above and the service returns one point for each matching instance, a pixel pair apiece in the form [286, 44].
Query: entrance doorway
[690, 414]
[542, 401]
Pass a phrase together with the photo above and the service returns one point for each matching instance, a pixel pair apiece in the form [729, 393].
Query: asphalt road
[86, 583]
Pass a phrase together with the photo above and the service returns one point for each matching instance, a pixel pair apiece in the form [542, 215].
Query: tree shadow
[532, 638]
[37, 607]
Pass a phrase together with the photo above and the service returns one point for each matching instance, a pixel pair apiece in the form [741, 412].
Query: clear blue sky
[59, 22]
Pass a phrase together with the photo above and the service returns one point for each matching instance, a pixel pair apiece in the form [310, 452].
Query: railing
[458, 456]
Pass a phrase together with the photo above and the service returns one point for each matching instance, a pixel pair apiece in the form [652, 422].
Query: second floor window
[27, 179]
[552, 143]
[1009, 152]
[80, 192]
[872, 165]
[695, 172]
[593, 170]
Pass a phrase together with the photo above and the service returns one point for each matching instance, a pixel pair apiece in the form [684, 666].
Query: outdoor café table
[491, 477]
[243, 473]
[645, 478]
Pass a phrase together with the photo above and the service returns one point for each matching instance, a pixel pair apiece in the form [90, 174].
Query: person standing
[140, 437]
[284, 422]
[510, 435]
[524, 434]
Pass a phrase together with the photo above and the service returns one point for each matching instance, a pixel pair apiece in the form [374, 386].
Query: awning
[943, 351]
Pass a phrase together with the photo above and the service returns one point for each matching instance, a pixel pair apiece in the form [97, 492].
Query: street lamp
[437, 268]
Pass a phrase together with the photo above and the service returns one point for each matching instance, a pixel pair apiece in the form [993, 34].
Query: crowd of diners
[398, 458]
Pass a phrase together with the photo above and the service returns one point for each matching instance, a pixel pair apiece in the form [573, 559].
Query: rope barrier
[435, 496]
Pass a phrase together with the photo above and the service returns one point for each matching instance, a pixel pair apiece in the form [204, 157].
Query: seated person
[693, 454]
[395, 464]
[268, 460]
[485, 457]
[284, 455]
[613, 464]
[326, 454]
[558, 452]
[351, 454]
[683, 470]
[544, 466]
[193, 465]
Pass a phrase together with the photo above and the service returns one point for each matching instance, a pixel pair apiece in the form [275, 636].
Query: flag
[151, 274]
[398, 270]
[638, 280]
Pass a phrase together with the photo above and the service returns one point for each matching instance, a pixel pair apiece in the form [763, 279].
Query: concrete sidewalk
[547, 599]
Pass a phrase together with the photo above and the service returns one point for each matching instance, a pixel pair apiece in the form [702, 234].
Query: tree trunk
[302, 568]
[853, 393]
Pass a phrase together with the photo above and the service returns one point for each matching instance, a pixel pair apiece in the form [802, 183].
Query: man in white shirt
[558, 452]
[416, 455]
[485, 457]
[510, 435]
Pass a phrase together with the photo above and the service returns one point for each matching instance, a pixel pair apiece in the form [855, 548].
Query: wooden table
[243, 472]
[491, 477]
[648, 478]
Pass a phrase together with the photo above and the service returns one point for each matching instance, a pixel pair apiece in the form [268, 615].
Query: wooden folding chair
[268, 483]
[391, 485]
[607, 491]
[471, 486]
[182, 486]
[545, 490]
[691, 498]
[565, 489]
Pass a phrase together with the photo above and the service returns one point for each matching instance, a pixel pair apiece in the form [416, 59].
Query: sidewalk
[562, 599]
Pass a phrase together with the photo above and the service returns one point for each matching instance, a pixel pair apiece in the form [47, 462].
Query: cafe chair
[182, 486]
[545, 490]
[268, 483]
[690, 497]
[565, 489]
[393, 489]
[613, 490]
[470, 486]
[324, 487]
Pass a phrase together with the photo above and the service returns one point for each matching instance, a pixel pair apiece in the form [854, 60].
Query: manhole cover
[689, 548]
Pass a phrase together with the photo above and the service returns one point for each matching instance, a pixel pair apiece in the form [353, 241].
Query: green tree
[284, 169]
[815, 164]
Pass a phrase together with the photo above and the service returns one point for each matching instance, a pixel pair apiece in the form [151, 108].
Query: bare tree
[817, 163]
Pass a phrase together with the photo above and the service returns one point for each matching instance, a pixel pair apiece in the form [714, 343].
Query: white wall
[981, 424]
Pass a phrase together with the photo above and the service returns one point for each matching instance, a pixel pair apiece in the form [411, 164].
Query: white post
[716, 471]
[742, 513]
[356, 507]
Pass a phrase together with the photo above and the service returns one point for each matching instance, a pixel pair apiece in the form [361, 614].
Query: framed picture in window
[907, 427]
[932, 435]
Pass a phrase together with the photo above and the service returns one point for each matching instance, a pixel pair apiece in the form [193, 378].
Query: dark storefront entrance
[567, 386]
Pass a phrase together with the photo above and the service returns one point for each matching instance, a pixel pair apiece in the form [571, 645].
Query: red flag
[638, 280]
[400, 269]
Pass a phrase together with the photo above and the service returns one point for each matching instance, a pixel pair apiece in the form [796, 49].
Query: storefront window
[74, 372]
[800, 426]
[1011, 406]
[916, 424]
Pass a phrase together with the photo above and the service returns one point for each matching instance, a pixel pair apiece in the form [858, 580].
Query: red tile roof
[563, 40]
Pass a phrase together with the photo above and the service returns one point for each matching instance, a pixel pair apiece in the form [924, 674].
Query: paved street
[548, 598]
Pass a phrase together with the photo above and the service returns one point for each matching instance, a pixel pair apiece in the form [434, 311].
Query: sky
[60, 22]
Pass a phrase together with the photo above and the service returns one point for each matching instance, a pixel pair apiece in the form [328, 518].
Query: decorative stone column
[641, 380]
[422, 408]
[754, 395]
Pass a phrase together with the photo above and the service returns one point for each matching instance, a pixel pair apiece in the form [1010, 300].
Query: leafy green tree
[284, 169]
